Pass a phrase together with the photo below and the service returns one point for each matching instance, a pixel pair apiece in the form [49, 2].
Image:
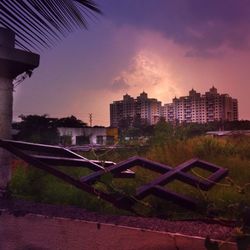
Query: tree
[36, 24]
[43, 129]
[39, 24]
[70, 122]
[164, 132]
[38, 129]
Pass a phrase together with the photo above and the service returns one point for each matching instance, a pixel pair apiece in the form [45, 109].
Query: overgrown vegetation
[184, 130]
[227, 199]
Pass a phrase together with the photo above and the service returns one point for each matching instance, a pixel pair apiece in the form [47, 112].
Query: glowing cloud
[149, 72]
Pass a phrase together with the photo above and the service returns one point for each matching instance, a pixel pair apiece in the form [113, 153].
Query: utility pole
[90, 119]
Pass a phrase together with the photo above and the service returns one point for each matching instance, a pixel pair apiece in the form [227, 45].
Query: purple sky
[164, 47]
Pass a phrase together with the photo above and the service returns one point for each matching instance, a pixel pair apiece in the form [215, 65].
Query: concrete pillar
[13, 62]
[6, 103]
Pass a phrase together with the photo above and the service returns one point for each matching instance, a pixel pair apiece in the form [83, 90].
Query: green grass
[226, 199]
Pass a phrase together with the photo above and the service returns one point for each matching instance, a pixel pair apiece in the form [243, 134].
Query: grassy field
[227, 199]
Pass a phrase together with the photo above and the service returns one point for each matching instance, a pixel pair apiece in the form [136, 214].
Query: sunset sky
[164, 47]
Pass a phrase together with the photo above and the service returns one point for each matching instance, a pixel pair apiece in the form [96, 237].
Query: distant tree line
[163, 129]
[43, 129]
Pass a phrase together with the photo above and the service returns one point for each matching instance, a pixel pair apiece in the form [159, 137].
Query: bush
[229, 196]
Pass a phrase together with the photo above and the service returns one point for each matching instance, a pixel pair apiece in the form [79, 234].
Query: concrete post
[13, 62]
[6, 102]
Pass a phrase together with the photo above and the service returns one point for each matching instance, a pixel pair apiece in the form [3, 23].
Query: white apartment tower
[147, 109]
[198, 108]
[195, 107]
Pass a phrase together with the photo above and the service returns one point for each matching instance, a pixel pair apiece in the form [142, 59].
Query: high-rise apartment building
[195, 107]
[128, 109]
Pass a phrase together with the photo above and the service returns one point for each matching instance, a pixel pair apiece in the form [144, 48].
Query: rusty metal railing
[48, 157]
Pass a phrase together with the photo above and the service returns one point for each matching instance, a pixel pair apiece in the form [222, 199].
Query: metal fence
[48, 157]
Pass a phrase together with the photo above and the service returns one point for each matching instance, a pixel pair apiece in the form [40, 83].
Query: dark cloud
[120, 84]
[201, 25]
[205, 53]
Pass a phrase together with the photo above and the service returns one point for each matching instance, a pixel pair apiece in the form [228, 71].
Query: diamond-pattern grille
[47, 157]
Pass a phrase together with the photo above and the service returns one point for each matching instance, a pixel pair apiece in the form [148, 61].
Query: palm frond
[41, 23]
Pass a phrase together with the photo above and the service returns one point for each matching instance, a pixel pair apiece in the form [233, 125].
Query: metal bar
[38, 164]
[175, 197]
[155, 187]
[70, 162]
[179, 173]
[40, 147]
[207, 165]
[62, 161]
[131, 162]
[59, 151]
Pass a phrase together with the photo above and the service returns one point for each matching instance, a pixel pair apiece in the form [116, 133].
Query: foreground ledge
[23, 229]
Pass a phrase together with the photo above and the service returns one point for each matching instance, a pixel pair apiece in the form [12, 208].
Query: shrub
[229, 196]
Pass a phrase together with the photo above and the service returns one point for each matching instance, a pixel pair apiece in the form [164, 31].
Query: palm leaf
[41, 23]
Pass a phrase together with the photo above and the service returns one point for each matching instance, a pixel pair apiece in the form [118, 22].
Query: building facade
[88, 135]
[194, 108]
[125, 112]
[198, 108]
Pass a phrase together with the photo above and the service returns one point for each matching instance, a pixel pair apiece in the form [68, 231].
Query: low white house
[87, 135]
